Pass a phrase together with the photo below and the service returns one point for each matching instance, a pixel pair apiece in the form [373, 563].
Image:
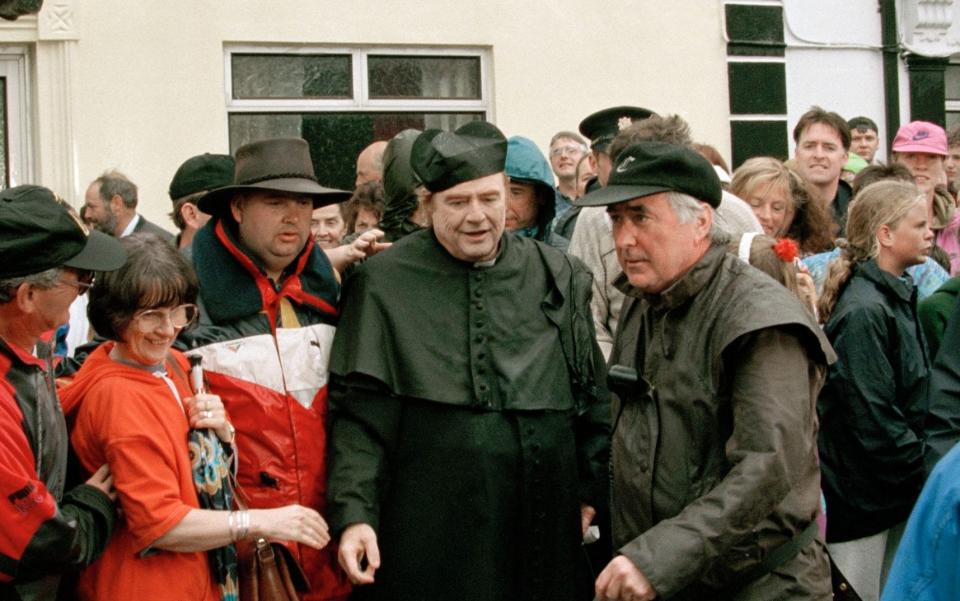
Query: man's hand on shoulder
[622, 580]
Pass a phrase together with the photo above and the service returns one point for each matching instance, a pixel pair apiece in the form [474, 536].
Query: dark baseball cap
[603, 126]
[39, 232]
[202, 173]
[862, 123]
[648, 168]
[443, 159]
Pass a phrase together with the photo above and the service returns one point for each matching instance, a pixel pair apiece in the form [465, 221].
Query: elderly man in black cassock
[469, 415]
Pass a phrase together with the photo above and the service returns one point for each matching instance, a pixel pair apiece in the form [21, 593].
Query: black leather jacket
[42, 530]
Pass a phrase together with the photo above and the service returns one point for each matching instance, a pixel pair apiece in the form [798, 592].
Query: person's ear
[236, 208]
[703, 222]
[26, 298]
[884, 236]
[189, 213]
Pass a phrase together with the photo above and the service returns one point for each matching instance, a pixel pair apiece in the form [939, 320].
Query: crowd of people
[615, 371]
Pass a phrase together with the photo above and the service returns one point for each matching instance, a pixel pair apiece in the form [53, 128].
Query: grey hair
[686, 207]
[44, 279]
[113, 183]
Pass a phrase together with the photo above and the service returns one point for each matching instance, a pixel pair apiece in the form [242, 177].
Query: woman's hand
[291, 523]
[807, 289]
[102, 480]
[207, 411]
[587, 513]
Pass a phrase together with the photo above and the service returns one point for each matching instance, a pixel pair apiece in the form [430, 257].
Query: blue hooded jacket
[526, 164]
[925, 568]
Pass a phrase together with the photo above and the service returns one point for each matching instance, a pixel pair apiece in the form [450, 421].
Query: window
[340, 100]
[15, 152]
[952, 87]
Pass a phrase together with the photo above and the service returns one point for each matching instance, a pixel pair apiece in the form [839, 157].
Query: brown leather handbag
[268, 572]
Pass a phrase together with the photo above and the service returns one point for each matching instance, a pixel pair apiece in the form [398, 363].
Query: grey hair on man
[45, 279]
[687, 208]
[113, 183]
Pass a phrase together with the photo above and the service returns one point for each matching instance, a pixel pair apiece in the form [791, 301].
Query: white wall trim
[57, 141]
[57, 21]
[930, 27]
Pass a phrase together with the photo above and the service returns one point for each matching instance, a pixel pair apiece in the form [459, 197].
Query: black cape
[462, 429]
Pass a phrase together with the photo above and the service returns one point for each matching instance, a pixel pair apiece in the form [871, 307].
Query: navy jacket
[873, 407]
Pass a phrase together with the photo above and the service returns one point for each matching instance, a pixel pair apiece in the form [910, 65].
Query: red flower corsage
[786, 249]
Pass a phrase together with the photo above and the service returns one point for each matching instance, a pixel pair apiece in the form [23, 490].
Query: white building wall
[834, 60]
[151, 74]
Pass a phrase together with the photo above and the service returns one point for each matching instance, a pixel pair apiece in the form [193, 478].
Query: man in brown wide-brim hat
[269, 305]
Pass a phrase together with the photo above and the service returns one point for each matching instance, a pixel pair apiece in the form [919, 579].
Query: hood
[399, 186]
[97, 367]
[526, 164]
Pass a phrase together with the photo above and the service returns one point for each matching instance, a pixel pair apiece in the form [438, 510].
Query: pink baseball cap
[921, 136]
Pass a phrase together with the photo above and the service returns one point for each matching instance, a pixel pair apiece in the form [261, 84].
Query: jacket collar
[22, 355]
[902, 287]
[683, 289]
[234, 285]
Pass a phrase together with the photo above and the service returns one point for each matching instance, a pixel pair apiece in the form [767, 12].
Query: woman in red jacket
[133, 409]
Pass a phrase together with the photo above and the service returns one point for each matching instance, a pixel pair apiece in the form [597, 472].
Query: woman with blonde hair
[873, 406]
[782, 205]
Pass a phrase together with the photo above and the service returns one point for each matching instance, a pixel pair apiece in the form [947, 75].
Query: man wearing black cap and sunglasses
[47, 259]
[715, 371]
[469, 420]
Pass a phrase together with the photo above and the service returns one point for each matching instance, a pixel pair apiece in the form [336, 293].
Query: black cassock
[469, 420]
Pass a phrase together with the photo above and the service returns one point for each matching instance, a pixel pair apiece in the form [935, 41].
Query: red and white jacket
[265, 349]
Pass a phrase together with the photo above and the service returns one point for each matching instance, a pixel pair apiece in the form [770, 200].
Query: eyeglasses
[83, 282]
[151, 319]
[561, 150]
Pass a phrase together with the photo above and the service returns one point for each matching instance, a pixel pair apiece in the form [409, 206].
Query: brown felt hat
[280, 165]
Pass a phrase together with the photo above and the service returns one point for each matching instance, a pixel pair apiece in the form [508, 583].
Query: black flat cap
[39, 232]
[648, 168]
[603, 126]
[443, 159]
[202, 173]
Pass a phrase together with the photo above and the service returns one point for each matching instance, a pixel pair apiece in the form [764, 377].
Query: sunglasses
[83, 281]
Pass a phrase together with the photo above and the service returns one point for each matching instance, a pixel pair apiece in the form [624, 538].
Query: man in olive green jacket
[716, 370]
